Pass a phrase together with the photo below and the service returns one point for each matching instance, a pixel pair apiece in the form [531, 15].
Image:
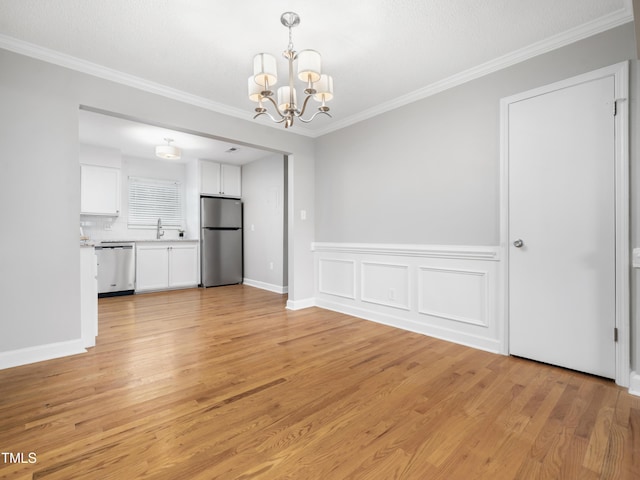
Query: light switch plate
[635, 258]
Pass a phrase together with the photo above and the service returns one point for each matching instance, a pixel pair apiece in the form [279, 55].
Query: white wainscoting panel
[337, 277]
[385, 284]
[454, 294]
[448, 292]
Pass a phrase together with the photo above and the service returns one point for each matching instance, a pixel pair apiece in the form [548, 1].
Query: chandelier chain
[290, 46]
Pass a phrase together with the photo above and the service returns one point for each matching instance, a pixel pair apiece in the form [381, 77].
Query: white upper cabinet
[209, 178]
[220, 179]
[99, 190]
[231, 180]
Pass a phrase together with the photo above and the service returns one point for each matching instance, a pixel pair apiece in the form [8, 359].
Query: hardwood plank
[225, 383]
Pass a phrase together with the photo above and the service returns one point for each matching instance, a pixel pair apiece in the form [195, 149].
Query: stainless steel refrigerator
[220, 241]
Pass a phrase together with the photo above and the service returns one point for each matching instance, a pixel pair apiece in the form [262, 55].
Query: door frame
[620, 72]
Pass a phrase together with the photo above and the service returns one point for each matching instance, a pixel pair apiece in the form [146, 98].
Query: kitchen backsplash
[99, 228]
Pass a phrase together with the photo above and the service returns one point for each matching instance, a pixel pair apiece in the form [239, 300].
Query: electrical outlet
[107, 226]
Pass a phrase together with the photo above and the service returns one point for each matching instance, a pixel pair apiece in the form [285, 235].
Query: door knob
[518, 243]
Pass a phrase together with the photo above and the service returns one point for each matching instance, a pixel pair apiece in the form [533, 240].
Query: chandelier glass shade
[318, 86]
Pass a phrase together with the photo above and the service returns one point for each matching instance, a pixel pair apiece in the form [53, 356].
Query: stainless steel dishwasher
[116, 268]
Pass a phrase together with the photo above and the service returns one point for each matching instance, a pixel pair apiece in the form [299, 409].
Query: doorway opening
[128, 144]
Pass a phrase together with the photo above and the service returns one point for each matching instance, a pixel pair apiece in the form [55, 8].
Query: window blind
[151, 199]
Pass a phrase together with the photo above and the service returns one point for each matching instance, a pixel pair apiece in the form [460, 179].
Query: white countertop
[97, 243]
[172, 240]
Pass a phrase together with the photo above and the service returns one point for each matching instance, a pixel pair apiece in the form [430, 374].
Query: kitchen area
[151, 224]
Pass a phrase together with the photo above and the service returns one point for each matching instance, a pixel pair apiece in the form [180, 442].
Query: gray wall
[39, 195]
[263, 195]
[428, 173]
[40, 189]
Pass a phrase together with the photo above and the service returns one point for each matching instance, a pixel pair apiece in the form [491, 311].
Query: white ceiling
[381, 53]
[136, 139]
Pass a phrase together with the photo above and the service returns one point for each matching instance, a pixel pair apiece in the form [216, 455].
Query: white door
[562, 257]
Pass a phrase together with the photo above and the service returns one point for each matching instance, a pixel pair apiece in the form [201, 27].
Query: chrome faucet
[159, 231]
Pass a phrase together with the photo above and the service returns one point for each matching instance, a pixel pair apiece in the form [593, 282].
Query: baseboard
[468, 340]
[24, 356]
[300, 304]
[634, 383]
[265, 286]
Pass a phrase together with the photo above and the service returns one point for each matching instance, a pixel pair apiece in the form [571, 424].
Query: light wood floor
[224, 383]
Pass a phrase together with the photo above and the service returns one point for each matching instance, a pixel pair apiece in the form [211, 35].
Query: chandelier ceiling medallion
[319, 86]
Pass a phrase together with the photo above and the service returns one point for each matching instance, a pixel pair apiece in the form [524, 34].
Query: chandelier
[319, 86]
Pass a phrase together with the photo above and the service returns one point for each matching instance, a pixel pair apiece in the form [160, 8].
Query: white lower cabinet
[162, 266]
[152, 267]
[183, 266]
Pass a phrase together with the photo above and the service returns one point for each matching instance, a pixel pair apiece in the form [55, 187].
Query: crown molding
[573, 35]
[106, 73]
[607, 22]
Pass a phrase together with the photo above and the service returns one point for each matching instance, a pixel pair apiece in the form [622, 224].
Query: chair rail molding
[411, 250]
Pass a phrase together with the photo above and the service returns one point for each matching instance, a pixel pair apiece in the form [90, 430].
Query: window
[151, 199]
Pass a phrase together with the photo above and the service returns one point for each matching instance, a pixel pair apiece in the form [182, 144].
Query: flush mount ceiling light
[168, 151]
[319, 86]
